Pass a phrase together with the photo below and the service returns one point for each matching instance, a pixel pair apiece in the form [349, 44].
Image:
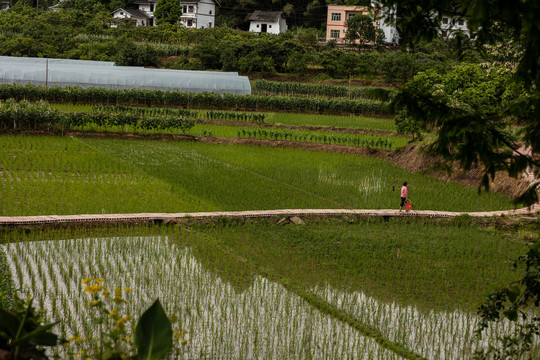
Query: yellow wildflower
[127, 338]
[105, 293]
[127, 289]
[92, 289]
[184, 342]
[86, 280]
[123, 319]
[98, 281]
[112, 313]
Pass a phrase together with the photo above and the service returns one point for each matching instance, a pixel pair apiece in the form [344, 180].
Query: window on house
[184, 9]
[151, 7]
[270, 26]
[258, 25]
[350, 16]
[445, 20]
[336, 17]
[334, 34]
[460, 22]
[190, 9]
[210, 12]
[210, 24]
[121, 13]
[190, 22]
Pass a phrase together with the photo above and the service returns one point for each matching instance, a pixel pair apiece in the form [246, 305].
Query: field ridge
[171, 217]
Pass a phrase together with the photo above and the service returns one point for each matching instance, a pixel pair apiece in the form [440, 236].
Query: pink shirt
[404, 191]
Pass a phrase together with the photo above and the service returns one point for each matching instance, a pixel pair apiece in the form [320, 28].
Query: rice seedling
[51, 175]
[227, 324]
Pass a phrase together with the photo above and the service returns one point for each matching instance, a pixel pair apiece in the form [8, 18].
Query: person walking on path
[403, 196]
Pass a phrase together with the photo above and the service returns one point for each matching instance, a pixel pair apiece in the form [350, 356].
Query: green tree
[168, 12]
[475, 133]
[360, 30]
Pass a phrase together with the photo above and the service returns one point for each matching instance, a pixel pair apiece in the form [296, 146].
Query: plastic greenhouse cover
[34, 60]
[122, 77]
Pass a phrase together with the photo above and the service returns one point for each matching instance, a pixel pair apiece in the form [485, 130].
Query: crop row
[188, 100]
[380, 143]
[26, 115]
[146, 111]
[265, 87]
[235, 116]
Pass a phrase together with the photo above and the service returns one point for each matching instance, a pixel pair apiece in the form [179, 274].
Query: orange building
[336, 22]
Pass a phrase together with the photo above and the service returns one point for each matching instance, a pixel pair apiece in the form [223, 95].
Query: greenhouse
[86, 74]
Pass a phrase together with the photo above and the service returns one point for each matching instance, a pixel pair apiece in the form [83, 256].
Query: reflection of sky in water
[370, 182]
[264, 321]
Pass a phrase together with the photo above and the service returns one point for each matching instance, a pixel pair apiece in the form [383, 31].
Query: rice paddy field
[66, 175]
[251, 289]
[335, 288]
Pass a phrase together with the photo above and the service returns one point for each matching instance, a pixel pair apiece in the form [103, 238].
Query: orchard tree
[168, 12]
[360, 30]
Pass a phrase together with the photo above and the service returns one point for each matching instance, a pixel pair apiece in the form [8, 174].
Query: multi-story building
[199, 14]
[196, 14]
[143, 16]
[336, 23]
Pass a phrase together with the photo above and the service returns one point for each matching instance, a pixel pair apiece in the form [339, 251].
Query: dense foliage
[265, 87]
[24, 115]
[86, 33]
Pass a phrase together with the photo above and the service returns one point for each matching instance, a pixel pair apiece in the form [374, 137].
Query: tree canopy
[168, 12]
[360, 29]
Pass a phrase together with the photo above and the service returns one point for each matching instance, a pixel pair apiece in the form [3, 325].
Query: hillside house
[143, 16]
[272, 22]
[450, 25]
[4, 5]
[199, 14]
[336, 22]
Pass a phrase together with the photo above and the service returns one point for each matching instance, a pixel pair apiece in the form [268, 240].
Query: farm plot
[323, 137]
[209, 277]
[263, 321]
[51, 175]
[342, 121]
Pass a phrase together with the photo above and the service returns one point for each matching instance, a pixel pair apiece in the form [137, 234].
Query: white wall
[206, 15]
[271, 27]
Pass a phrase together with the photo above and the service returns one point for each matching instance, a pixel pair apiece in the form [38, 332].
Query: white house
[143, 16]
[4, 5]
[199, 14]
[272, 22]
[450, 25]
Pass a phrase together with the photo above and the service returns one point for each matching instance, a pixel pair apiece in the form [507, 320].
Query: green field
[331, 288]
[60, 175]
[352, 122]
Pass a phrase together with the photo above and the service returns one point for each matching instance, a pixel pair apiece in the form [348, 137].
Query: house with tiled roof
[272, 22]
[143, 16]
